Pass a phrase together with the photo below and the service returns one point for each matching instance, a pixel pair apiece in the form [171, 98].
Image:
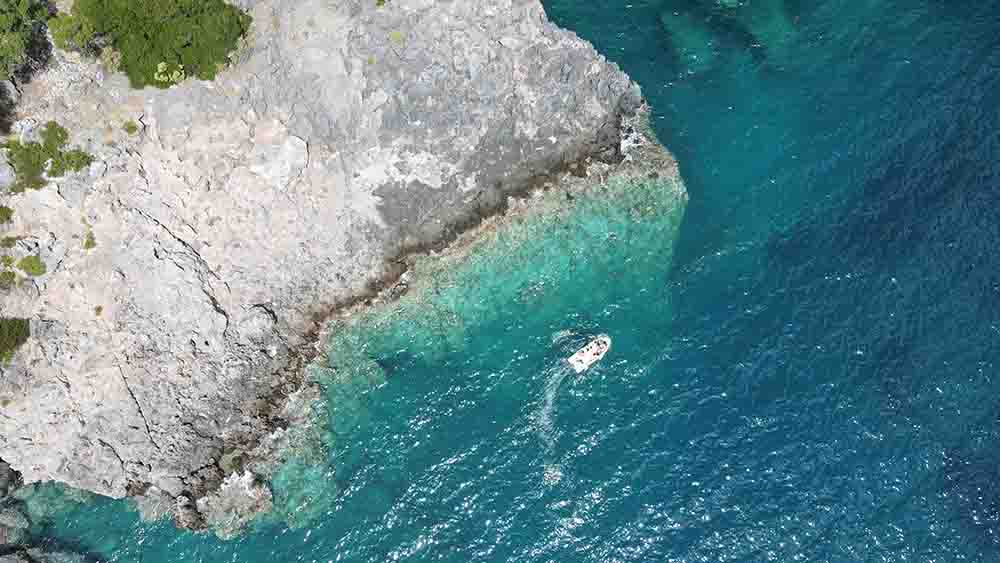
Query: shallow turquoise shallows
[804, 360]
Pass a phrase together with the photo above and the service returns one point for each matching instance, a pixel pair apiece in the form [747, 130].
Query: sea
[804, 358]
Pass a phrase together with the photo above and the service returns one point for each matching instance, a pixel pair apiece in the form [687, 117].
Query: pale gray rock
[6, 174]
[246, 209]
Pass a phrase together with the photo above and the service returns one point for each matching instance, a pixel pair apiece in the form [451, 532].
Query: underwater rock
[698, 31]
[692, 39]
[41, 556]
[768, 21]
[13, 527]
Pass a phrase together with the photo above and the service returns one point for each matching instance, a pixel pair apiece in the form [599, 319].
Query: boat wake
[545, 420]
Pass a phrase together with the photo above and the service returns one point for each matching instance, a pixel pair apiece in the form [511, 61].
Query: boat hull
[590, 354]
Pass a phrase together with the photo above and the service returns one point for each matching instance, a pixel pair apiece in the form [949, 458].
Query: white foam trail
[545, 423]
[560, 335]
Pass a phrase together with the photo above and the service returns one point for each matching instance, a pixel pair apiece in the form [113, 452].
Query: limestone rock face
[245, 209]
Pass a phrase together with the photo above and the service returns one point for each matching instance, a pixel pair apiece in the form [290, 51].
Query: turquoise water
[804, 358]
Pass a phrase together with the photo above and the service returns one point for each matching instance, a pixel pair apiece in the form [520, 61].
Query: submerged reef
[178, 284]
[698, 29]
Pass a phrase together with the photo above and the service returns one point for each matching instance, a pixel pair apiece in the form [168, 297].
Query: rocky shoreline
[166, 358]
[16, 543]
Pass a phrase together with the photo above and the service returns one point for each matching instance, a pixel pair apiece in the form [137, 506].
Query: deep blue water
[803, 368]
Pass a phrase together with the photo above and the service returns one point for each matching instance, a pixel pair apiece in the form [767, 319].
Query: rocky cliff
[189, 267]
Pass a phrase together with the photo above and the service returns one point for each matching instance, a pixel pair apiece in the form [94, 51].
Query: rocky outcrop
[237, 501]
[243, 211]
[15, 524]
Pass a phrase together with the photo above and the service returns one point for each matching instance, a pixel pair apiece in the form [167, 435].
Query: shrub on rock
[160, 42]
[72, 33]
[13, 333]
[7, 279]
[30, 159]
[32, 265]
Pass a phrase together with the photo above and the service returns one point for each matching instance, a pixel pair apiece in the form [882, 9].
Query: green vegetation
[89, 242]
[7, 279]
[32, 265]
[8, 242]
[72, 33]
[160, 42]
[29, 164]
[13, 333]
[130, 127]
[6, 214]
[19, 21]
[29, 159]
[98, 310]
[7, 260]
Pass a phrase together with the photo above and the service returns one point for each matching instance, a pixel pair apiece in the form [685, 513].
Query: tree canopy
[19, 21]
[160, 42]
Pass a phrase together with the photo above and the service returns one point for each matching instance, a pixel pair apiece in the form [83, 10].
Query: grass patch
[7, 279]
[32, 265]
[29, 164]
[6, 214]
[159, 42]
[88, 241]
[130, 127]
[29, 159]
[13, 333]
[7, 260]
[8, 242]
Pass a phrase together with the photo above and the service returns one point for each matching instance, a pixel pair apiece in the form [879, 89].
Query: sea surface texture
[804, 359]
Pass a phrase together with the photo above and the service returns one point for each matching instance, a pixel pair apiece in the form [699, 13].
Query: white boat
[590, 354]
